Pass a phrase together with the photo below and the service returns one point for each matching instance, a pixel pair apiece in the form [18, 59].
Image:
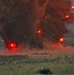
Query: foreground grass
[19, 65]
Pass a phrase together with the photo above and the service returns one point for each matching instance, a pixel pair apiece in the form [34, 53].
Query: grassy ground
[20, 65]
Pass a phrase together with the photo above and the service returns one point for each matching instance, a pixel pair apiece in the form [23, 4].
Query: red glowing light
[72, 7]
[12, 45]
[61, 39]
[40, 31]
[67, 16]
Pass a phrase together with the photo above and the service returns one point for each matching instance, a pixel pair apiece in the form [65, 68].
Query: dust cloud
[49, 49]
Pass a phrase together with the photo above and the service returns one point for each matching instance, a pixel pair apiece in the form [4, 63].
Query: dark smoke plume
[21, 19]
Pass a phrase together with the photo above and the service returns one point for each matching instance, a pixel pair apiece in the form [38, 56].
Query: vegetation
[19, 65]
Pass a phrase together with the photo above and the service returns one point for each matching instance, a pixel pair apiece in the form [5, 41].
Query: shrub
[45, 71]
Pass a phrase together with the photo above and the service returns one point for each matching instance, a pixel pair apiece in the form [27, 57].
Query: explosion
[21, 19]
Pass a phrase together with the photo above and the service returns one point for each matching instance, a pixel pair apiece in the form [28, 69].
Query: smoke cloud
[20, 20]
[49, 49]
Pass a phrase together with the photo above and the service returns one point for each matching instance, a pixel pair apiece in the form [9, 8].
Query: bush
[45, 71]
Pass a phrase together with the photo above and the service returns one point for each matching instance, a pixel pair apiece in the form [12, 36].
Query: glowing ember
[72, 7]
[67, 16]
[12, 45]
[61, 39]
[39, 31]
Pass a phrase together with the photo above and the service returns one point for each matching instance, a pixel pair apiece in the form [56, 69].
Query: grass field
[20, 65]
